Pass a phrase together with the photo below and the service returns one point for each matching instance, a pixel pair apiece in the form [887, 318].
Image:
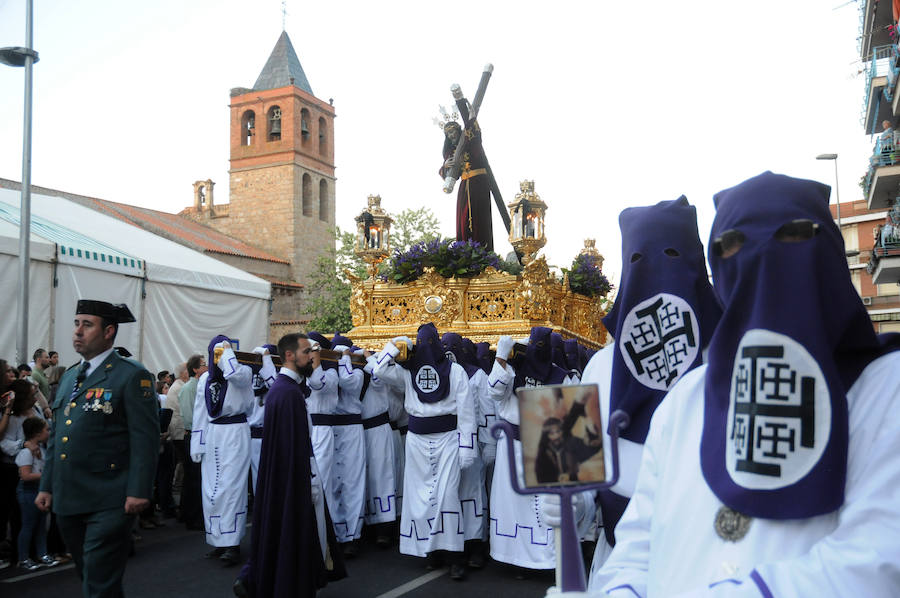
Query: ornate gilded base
[482, 308]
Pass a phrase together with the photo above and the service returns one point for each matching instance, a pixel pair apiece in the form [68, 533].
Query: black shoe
[457, 572]
[231, 556]
[383, 541]
[350, 549]
[433, 560]
[214, 553]
[240, 588]
[476, 560]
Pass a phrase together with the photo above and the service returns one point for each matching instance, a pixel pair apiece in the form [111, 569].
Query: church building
[282, 184]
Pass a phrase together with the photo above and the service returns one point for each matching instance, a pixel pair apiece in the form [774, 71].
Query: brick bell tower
[282, 184]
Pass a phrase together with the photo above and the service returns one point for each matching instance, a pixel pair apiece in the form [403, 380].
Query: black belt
[378, 420]
[256, 431]
[240, 418]
[398, 427]
[325, 419]
[515, 429]
[432, 425]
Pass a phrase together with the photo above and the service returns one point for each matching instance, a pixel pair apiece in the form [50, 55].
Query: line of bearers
[760, 458]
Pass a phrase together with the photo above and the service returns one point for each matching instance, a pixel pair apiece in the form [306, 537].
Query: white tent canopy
[181, 298]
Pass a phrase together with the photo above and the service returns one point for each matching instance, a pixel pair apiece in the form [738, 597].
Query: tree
[328, 288]
[412, 226]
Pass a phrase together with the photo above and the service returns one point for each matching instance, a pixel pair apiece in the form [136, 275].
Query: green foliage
[328, 288]
[412, 226]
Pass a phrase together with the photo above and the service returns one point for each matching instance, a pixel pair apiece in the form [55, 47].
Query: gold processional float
[481, 308]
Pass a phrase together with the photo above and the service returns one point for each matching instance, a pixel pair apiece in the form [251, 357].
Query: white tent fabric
[180, 297]
[40, 281]
[74, 283]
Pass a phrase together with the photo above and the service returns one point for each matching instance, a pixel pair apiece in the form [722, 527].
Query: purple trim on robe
[763, 588]
[724, 581]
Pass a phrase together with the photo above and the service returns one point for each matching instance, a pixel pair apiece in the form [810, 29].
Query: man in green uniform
[101, 456]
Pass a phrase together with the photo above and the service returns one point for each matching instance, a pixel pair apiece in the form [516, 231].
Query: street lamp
[19, 56]
[837, 188]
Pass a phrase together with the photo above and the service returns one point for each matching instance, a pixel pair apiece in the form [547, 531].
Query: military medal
[107, 406]
[730, 525]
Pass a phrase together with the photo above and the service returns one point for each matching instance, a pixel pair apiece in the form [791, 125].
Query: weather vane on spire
[283, 15]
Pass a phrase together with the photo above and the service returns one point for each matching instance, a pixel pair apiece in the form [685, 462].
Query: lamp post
[837, 188]
[19, 56]
[373, 234]
[526, 234]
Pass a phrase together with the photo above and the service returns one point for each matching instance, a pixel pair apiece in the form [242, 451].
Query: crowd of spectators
[29, 538]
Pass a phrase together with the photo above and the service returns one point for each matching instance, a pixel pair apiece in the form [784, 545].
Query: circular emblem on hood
[427, 379]
[659, 340]
[779, 415]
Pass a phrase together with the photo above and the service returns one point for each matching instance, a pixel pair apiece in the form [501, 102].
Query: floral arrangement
[586, 277]
[448, 257]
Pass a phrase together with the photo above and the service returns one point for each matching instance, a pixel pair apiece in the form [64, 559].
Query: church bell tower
[282, 184]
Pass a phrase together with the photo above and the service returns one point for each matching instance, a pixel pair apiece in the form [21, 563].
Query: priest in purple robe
[293, 551]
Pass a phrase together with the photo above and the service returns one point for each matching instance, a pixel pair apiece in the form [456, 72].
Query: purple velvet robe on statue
[473, 199]
[285, 554]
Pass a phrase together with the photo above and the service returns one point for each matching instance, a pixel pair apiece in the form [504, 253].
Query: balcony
[876, 22]
[881, 185]
[881, 80]
[884, 262]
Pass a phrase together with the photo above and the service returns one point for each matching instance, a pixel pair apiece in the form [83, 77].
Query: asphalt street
[169, 562]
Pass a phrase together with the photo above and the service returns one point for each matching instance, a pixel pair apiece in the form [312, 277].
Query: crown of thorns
[446, 118]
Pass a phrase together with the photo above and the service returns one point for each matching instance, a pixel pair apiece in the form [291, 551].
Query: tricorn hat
[114, 312]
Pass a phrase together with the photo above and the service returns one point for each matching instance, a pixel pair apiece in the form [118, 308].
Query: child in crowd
[30, 462]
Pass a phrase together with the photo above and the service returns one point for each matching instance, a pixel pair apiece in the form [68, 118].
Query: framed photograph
[561, 432]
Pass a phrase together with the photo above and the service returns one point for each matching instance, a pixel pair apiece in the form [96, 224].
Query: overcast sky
[604, 104]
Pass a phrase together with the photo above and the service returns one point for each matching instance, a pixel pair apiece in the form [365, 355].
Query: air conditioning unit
[867, 300]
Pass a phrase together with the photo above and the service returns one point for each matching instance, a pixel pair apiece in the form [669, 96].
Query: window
[304, 125]
[323, 200]
[307, 195]
[323, 137]
[274, 120]
[248, 127]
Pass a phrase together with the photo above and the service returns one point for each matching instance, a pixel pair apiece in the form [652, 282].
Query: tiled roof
[282, 66]
[171, 226]
[306, 320]
[280, 282]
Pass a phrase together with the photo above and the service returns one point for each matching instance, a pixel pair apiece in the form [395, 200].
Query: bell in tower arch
[275, 124]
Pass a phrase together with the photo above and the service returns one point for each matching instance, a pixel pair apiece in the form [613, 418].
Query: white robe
[432, 516]
[348, 471]
[380, 495]
[472, 493]
[322, 399]
[599, 371]
[519, 536]
[223, 451]
[399, 418]
[666, 544]
[256, 418]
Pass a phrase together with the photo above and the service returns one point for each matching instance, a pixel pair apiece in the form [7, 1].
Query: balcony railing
[887, 238]
[883, 62]
[886, 153]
